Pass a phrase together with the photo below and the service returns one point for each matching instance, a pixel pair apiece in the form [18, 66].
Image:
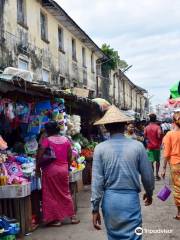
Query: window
[61, 39]
[62, 82]
[23, 64]
[45, 75]
[84, 77]
[74, 49]
[92, 63]
[91, 94]
[21, 12]
[84, 57]
[75, 84]
[44, 30]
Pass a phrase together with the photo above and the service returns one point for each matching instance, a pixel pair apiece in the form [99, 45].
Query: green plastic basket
[9, 237]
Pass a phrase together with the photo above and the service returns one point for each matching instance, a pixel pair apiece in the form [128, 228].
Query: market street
[89, 116]
[158, 216]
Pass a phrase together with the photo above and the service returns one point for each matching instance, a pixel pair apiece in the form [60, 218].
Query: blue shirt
[117, 164]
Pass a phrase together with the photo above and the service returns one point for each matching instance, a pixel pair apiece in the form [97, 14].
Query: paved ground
[158, 216]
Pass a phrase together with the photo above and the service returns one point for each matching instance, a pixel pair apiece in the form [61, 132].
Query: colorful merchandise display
[173, 102]
[21, 130]
[73, 125]
[175, 90]
[9, 228]
[18, 164]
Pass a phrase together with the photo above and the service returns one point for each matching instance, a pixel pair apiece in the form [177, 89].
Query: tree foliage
[115, 61]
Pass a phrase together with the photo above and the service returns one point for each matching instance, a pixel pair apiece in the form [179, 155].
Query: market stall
[25, 107]
[173, 103]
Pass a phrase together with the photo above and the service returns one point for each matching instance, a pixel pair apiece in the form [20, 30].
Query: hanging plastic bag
[164, 193]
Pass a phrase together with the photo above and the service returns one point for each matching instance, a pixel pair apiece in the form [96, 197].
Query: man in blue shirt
[117, 165]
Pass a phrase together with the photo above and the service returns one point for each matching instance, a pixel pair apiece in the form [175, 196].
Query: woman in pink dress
[57, 202]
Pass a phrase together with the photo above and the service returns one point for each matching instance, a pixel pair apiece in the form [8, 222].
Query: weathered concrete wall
[26, 42]
[125, 94]
[114, 90]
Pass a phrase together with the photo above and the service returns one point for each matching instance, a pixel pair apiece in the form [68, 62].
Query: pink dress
[57, 202]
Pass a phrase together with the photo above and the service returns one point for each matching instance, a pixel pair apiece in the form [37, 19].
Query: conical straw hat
[113, 115]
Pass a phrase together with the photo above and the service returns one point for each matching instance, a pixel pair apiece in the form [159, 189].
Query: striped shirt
[118, 164]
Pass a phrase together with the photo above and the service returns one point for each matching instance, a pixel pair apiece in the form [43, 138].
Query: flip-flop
[177, 218]
[75, 221]
[58, 224]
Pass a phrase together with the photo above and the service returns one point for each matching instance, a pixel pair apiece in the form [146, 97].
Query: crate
[75, 176]
[20, 209]
[9, 237]
[15, 191]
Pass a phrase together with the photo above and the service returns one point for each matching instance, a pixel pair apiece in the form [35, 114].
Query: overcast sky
[146, 34]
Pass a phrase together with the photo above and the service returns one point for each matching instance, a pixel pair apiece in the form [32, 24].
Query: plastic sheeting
[104, 105]
[10, 72]
[175, 90]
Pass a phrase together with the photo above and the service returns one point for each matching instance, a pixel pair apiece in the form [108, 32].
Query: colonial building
[126, 95]
[39, 36]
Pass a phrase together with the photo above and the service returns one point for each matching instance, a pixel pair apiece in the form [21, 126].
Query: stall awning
[19, 88]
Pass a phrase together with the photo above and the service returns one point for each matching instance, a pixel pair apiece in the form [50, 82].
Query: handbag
[164, 193]
[47, 158]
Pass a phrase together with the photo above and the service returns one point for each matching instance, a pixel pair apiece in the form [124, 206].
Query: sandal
[56, 224]
[177, 218]
[74, 220]
[53, 224]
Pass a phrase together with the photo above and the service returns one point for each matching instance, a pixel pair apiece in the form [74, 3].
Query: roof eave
[140, 89]
[61, 15]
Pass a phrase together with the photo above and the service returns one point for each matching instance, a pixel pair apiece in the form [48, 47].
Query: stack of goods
[15, 170]
[87, 147]
[88, 150]
[9, 228]
[73, 125]
[21, 125]
[15, 174]
[29, 118]
[78, 161]
[59, 114]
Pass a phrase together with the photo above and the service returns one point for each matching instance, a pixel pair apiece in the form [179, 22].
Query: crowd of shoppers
[130, 151]
[120, 160]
